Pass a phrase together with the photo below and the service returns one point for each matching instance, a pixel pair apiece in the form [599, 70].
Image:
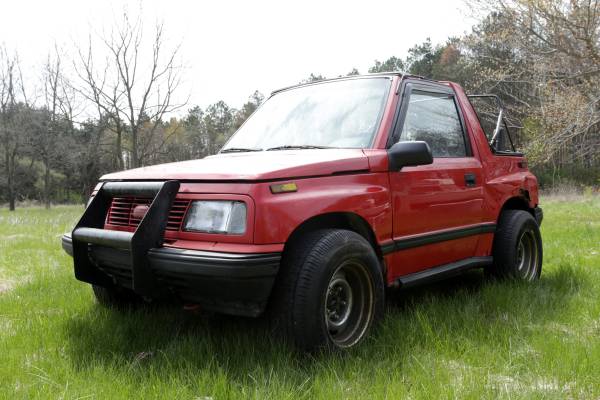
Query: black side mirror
[408, 154]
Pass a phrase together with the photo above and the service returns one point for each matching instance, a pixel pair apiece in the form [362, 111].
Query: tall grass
[464, 338]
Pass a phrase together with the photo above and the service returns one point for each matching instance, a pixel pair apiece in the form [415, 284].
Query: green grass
[465, 338]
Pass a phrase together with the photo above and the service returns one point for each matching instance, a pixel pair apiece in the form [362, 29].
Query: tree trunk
[134, 147]
[11, 198]
[47, 184]
[119, 150]
[9, 177]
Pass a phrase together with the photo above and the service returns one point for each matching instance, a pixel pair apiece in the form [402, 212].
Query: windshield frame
[377, 127]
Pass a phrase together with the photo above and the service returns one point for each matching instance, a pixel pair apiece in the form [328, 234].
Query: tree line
[112, 105]
[109, 107]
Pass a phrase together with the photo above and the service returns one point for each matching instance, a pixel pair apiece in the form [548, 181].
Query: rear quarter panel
[505, 176]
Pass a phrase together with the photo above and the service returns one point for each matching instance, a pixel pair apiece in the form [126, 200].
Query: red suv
[329, 193]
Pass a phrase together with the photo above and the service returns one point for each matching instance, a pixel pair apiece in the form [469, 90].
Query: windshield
[343, 113]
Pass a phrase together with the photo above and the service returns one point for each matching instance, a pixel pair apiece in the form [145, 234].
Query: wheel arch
[338, 220]
[520, 202]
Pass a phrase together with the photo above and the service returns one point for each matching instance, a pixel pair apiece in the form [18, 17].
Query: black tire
[517, 248]
[115, 297]
[329, 293]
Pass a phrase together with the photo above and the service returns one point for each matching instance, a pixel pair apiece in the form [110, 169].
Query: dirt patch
[6, 327]
[5, 286]
[18, 236]
[510, 384]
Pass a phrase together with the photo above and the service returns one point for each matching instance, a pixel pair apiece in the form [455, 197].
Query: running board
[442, 272]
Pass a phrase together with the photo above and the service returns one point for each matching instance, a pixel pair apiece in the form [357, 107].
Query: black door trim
[430, 238]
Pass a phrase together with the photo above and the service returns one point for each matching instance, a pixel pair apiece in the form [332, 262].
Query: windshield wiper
[237, 150]
[299, 147]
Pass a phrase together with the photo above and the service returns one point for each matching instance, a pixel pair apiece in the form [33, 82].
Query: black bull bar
[149, 233]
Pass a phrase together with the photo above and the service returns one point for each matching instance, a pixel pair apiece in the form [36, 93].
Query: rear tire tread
[510, 225]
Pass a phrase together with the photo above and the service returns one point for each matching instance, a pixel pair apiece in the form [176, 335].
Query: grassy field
[466, 338]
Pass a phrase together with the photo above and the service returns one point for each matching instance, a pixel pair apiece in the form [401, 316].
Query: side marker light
[284, 188]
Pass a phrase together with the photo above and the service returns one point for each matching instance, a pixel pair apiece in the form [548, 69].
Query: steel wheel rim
[527, 255]
[349, 303]
[339, 301]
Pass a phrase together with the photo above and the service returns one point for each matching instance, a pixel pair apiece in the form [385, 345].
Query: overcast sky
[231, 48]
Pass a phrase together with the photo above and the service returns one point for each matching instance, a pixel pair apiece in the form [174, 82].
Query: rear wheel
[115, 297]
[330, 292]
[517, 248]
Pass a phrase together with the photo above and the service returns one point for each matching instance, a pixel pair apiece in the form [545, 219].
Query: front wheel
[517, 248]
[331, 293]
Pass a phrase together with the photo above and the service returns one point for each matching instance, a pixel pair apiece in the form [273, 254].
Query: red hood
[264, 165]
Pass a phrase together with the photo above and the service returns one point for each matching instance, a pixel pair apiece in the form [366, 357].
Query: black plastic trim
[160, 256]
[503, 153]
[403, 244]
[148, 234]
[67, 244]
[539, 215]
[232, 283]
[215, 264]
[386, 248]
[443, 271]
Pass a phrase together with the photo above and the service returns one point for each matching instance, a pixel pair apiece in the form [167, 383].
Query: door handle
[470, 179]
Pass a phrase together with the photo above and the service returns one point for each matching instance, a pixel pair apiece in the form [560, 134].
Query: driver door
[437, 208]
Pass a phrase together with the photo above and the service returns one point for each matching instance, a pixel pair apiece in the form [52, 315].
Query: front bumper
[231, 283]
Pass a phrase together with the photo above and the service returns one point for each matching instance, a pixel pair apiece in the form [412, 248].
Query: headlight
[216, 216]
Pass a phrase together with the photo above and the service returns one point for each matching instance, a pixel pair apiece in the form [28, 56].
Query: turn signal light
[284, 188]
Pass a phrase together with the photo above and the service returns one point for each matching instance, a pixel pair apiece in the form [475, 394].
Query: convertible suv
[330, 193]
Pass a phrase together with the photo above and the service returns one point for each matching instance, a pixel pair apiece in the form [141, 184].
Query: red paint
[397, 205]
[253, 166]
[435, 198]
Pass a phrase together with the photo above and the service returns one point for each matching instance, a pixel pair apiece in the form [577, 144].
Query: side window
[433, 118]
